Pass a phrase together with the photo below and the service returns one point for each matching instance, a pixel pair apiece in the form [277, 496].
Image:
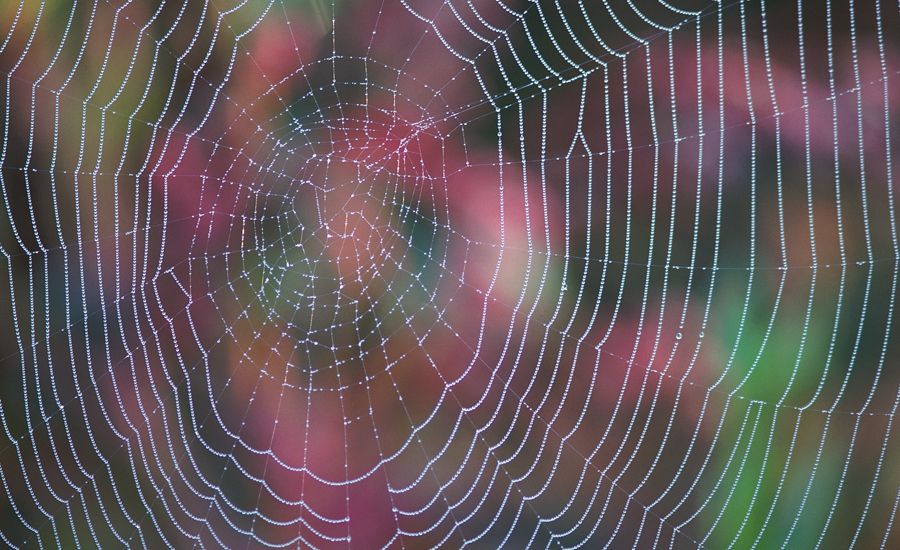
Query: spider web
[420, 273]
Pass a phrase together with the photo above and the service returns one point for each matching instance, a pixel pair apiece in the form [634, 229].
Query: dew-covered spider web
[446, 273]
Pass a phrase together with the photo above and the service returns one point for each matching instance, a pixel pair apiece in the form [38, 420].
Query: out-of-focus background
[417, 273]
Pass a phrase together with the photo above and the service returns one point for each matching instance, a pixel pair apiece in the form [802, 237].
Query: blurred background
[422, 273]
